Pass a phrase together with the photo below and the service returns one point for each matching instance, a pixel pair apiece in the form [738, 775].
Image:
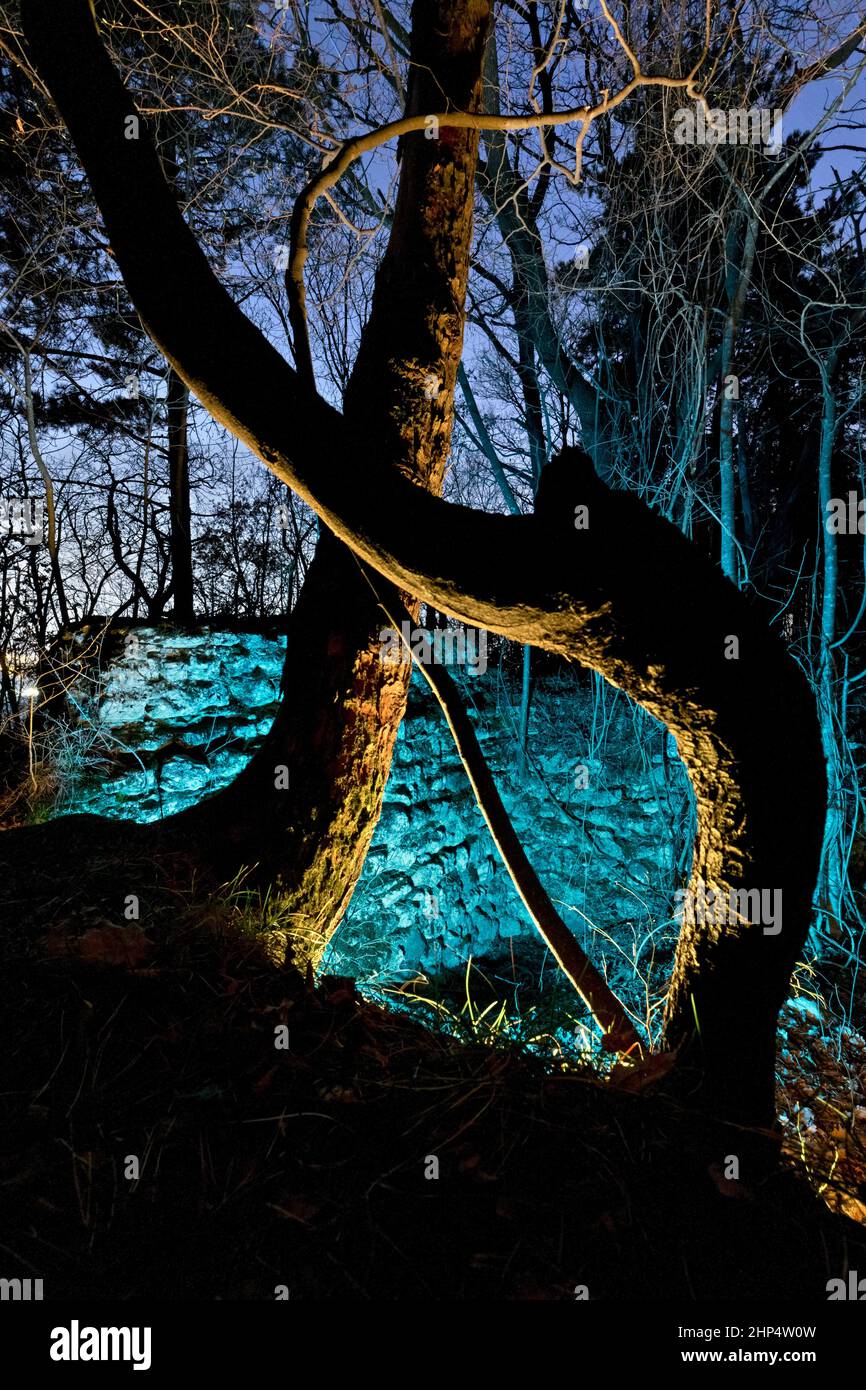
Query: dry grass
[306, 1167]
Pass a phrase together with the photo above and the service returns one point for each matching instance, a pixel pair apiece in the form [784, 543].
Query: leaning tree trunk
[305, 808]
[309, 830]
[627, 596]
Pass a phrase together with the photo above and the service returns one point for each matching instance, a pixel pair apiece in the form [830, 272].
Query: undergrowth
[312, 1167]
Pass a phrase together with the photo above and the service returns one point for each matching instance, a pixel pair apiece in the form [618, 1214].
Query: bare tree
[666, 641]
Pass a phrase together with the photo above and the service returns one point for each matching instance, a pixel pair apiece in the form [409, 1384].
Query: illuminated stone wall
[601, 807]
[434, 890]
[214, 691]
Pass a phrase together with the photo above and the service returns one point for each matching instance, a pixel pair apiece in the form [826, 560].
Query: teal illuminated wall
[602, 810]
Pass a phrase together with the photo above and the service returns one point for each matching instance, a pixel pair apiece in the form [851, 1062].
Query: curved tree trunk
[628, 596]
[304, 810]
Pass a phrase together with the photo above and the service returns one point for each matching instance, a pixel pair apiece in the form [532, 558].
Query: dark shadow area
[306, 1166]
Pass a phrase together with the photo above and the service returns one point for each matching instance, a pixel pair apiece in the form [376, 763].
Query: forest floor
[311, 1168]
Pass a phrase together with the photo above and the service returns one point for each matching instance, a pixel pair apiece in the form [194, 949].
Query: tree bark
[342, 705]
[304, 810]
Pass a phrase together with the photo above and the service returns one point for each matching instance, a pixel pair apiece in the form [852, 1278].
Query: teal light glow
[603, 818]
[215, 692]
